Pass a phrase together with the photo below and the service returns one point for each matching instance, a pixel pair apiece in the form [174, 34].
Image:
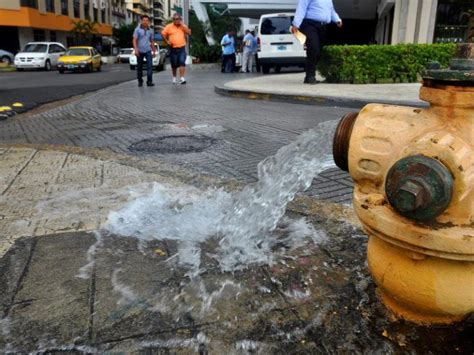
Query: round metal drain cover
[173, 144]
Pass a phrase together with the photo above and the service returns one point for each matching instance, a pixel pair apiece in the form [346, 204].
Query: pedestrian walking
[175, 35]
[312, 18]
[247, 52]
[228, 52]
[144, 49]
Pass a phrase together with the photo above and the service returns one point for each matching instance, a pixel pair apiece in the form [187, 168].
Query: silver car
[158, 60]
[6, 57]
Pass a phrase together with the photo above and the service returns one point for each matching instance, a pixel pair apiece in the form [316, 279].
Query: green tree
[219, 23]
[84, 31]
[124, 35]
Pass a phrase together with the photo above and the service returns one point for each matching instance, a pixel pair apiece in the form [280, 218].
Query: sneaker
[182, 81]
[140, 84]
[174, 81]
[150, 83]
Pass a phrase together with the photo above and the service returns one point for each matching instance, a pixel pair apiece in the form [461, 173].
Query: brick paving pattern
[246, 131]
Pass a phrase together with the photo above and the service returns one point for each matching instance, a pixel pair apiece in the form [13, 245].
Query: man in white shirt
[312, 18]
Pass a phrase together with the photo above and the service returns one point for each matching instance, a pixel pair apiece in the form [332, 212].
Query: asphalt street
[34, 88]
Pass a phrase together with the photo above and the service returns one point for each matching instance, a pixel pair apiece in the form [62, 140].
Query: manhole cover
[172, 144]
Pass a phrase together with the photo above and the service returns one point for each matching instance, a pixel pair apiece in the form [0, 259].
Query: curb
[319, 100]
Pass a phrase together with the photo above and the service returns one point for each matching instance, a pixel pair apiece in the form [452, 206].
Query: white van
[278, 47]
[39, 55]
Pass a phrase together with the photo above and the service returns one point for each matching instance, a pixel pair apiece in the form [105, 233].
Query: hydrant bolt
[411, 196]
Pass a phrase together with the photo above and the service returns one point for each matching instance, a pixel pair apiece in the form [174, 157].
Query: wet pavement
[243, 132]
[68, 285]
[134, 297]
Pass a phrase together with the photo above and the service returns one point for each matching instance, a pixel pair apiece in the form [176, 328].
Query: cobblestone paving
[245, 131]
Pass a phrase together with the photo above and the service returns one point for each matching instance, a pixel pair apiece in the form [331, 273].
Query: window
[452, 20]
[49, 5]
[39, 35]
[54, 48]
[87, 9]
[276, 25]
[103, 16]
[52, 36]
[64, 9]
[35, 48]
[70, 41]
[77, 12]
[96, 14]
[29, 3]
[83, 52]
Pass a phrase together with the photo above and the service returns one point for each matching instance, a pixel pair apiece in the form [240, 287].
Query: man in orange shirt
[175, 35]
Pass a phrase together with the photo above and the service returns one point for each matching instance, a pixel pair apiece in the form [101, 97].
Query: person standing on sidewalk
[312, 18]
[247, 52]
[144, 48]
[228, 52]
[175, 35]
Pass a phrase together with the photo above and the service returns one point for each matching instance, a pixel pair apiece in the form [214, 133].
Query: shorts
[178, 57]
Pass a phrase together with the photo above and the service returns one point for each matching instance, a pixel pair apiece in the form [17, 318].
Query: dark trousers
[315, 38]
[149, 67]
[228, 63]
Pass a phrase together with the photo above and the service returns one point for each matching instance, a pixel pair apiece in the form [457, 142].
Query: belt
[315, 22]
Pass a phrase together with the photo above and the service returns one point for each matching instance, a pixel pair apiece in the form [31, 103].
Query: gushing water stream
[243, 223]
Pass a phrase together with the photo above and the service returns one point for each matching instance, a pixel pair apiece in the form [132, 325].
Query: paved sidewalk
[49, 191]
[290, 88]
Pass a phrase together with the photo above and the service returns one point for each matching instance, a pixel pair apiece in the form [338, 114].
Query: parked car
[6, 57]
[83, 59]
[124, 55]
[158, 60]
[39, 55]
[277, 46]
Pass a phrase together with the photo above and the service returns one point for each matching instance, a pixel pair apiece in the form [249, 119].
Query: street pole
[186, 19]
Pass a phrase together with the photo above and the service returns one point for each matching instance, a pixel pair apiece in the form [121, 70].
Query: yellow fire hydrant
[413, 171]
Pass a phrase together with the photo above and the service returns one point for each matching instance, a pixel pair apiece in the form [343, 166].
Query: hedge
[381, 63]
[206, 53]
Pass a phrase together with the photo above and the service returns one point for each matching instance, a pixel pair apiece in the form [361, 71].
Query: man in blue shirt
[228, 52]
[144, 48]
[247, 52]
[312, 18]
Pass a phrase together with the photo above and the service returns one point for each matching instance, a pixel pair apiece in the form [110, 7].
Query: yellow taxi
[83, 59]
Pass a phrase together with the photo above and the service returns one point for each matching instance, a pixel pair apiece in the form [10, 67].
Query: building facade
[424, 21]
[23, 21]
[373, 21]
[159, 19]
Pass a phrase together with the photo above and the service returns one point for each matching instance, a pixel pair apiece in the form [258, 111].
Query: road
[34, 88]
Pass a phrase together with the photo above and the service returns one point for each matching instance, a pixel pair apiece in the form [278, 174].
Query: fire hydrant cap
[419, 187]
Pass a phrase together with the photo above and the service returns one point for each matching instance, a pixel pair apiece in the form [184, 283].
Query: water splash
[85, 272]
[127, 295]
[245, 224]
